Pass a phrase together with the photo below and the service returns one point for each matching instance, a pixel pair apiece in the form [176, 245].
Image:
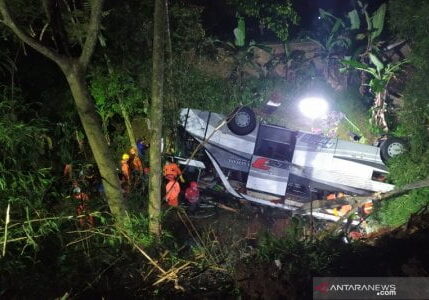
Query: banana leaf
[360, 66]
[377, 85]
[354, 19]
[378, 64]
[377, 21]
[240, 33]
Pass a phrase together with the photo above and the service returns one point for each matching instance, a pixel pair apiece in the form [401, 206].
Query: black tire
[392, 147]
[243, 121]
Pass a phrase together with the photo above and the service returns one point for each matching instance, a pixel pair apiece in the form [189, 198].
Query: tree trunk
[378, 111]
[74, 69]
[128, 125]
[156, 118]
[92, 126]
[170, 102]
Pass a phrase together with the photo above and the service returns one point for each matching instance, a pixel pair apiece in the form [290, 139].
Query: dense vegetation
[46, 251]
[414, 165]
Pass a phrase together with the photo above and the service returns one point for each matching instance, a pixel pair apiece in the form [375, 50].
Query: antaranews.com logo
[371, 288]
[378, 289]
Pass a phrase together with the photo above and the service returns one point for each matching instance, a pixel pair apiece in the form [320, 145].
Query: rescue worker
[125, 167]
[136, 167]
[192, 195]
[141, 147]
[367, 208]
[135, 162]
[172, 171]
[334, 196]
[344, 209]
[125, 175]
[172, 191]
[85, 220]
[68, 171]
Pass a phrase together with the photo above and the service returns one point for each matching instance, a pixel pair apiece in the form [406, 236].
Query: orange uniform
[68, 171]
[172, 190]
[343, 210]
[136, 164]
[367, 208]
[82, 209]
[125, 169]
[135, 161]
[172, 171]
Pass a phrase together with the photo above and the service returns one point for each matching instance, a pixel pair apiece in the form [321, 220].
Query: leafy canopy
[276, 15]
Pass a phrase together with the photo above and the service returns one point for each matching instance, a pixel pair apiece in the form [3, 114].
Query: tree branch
[53, 14]
[9, 22]
[93, 28]
[358, 201]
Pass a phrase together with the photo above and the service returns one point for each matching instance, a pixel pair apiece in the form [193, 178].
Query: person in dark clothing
[192, 195]
[141, 147]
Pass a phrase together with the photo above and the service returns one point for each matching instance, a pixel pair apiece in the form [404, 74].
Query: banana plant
[374, 25]
[334, 43]
[337, 38]
[240, 33]
[381, 74]
[243, 53]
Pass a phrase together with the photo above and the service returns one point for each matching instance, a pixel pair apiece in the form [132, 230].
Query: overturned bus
[283, 168]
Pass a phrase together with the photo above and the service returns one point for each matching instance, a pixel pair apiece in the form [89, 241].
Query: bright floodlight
[313, 107]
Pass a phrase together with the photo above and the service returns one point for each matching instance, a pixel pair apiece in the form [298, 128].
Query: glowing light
[314, 107]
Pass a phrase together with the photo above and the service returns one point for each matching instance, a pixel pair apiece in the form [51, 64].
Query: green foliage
[35, 17]
[117, 94]
[252, 92]
[240, 33]
[376, 24]
[335, 35]
[352, 104]
[23, 180]
[276, 15]
[186, 27]
[404, 169]
[299, 254]
[336, 38]
[354, 19]
[25, 183]
[414, 116]
[409, 20]
[195, 88]
[414, 164]
[396, 212]
[340, 35]
[381, 74]
[137, 227]
[108, 89]
[67, 142]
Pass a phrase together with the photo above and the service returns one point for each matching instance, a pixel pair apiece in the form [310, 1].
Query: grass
[349, 103]
[397, 211]
[352, 105]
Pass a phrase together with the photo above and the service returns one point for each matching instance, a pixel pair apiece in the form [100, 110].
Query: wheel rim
[395, 149]
[242, 119]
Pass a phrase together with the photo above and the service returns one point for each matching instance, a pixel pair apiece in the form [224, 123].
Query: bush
[409, 19]
[397, 212]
